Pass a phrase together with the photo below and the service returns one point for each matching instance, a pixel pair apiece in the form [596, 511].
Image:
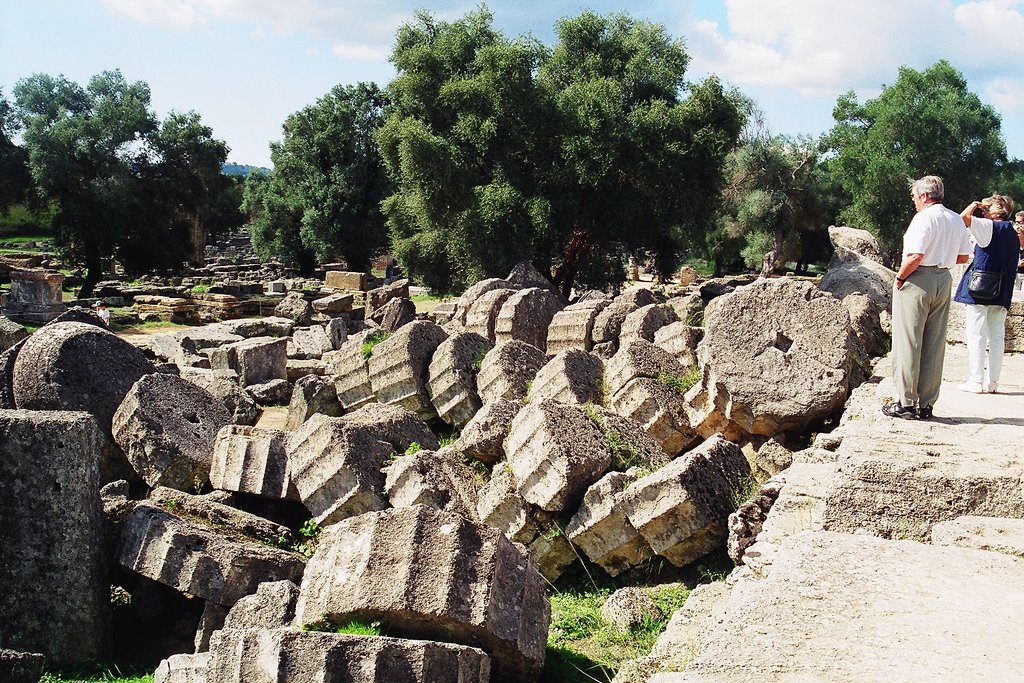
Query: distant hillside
[241, 169]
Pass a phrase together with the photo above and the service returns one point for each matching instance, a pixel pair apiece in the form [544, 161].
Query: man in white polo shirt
[935, 241]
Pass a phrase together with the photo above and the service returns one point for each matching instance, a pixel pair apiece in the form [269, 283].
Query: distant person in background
[996, 249]
[102, 312]
[1018, 225]
[934, 242]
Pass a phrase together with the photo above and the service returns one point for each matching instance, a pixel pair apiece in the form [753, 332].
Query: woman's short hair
[929, 186]
[998, 206]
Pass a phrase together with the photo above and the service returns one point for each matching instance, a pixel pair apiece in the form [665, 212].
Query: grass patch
[146, 327]
[200, 289]
[582, 647]
[681, 384]
[413, 448]
[426, 302]
[375, 337]
[100, 673]
[355, 628]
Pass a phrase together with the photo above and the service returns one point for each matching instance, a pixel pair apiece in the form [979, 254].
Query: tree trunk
[93, 271]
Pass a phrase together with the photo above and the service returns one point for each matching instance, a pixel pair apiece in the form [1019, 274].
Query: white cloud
[986, 21]
[174, 13]
[825, 46]
[361, 53]
[1007, 94]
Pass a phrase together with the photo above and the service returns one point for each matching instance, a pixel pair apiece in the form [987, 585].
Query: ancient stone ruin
[432, 473]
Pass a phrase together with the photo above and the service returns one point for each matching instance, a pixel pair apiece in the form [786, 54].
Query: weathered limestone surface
[347, 367]
[555, 452]
[10, 333]
[310, 342]
[271, 606]
[256, 359]
[997, 534]
[271, 326]
[311, 395]
[859, 608]
[53, 567]
[335, 467]
[398, 366]
[573, 326]
[21, 667]
[628, 607]
[849, 272]
[608, 323]
[858, 241]
[251, 460]
[645, 321]
[475, 292]
[777, 355]
[438, 480]
[395, 313]
[483, 437]
[208, 510]
[223, 385]
[482, 313]
[451, 377]
[340, 279]
[432, 575]
[681, 341]
[198, 560]
[292, 655]
[167, 426]
[682, 509]
[377, 298]
[500, 506]
[572, 376]
[76, 366]
[507, 370]
[35, 296]
[525, 316]
[602, 530]
[334, 304]
[172, 346]
[295, 307]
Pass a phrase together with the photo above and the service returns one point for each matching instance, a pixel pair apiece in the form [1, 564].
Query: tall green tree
[641, 155]
[466, 142]
[84, 145]
[15, 180]
[322, 201]
[926, 123]
[504, 151]
[774, 201]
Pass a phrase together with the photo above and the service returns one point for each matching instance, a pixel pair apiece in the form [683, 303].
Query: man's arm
[909, 265]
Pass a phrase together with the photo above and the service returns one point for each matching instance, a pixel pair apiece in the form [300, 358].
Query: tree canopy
[124, 184]
[322, 201]
[501, 150]
[926, 123]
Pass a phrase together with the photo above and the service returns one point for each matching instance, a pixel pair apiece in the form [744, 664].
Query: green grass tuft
[376, 337]
[681, 384]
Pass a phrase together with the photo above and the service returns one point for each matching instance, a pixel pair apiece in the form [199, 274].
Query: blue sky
[244, 65]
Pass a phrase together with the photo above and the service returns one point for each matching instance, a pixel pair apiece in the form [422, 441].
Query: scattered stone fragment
[395, 313]
[197, 560]
[601, 528]
[292, 655]
[346, 280]
[251, 460]
[451, 377]
[440, 480]
[10, 333]
[55, 593]
[271, 392]
[507, 371]
[312, 394]
[271, 606]
[310, 342]
[681, 341]
[167, 426]
[377, 298]
[183, 668]
[746, 523]
[555, 452]
[499, 505]
[850, 273]
[347, 367]
[256, 359]
[295, 307]
[525, 316]
[483, 437]
[482, 313]
[608, 323]
[223, 385]
[333, 304]
[629, 607]
[432, 575]
[645, 321]
[475, 292]
[271, 326]
[572, 376]
[773, 457]
[398, 366]
[335, 466]
[524, 275]
[573, 326]
[682, 509]
[777, 355]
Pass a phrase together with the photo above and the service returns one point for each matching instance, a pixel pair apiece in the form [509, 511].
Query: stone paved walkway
[860, 573]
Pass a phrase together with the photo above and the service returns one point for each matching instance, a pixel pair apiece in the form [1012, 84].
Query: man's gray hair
[929, 186]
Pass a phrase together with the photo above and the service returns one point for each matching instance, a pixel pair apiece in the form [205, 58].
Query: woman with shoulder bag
[987, 288]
